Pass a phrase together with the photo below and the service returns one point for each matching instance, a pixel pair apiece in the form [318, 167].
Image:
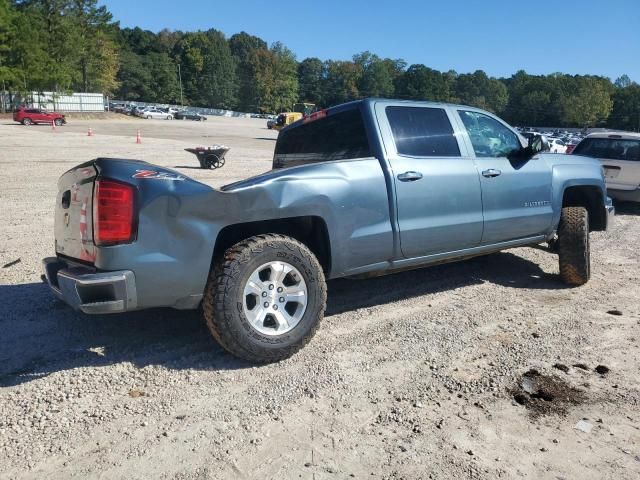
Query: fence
[74, 102]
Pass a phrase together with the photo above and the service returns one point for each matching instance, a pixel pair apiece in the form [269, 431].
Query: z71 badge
[157, 175]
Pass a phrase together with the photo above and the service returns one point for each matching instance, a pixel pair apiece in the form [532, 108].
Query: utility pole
[180, 78]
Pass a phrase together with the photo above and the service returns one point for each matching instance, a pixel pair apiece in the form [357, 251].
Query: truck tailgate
[74, 216]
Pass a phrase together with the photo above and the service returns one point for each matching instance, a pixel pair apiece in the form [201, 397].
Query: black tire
[223, 298]
[27, 121]
[58, 122]
[573, 246]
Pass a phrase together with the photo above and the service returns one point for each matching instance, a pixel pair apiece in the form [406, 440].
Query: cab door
[516, 194]
[437, 189]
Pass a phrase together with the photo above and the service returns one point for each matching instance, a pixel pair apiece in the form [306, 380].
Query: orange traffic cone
[138, 137]
[89, 132]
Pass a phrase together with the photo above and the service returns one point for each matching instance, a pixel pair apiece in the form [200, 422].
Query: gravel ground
[481, 369]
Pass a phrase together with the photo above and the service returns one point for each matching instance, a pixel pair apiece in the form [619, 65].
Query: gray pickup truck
[368, 187]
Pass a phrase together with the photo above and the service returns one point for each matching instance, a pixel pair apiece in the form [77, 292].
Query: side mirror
[537, 144]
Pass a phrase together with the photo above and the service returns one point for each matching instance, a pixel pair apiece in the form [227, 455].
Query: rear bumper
[611, 212]
[90, 291]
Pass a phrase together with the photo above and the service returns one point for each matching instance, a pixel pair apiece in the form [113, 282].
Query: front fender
[567, 175]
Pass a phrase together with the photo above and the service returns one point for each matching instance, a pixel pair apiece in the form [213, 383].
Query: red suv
[28, 116]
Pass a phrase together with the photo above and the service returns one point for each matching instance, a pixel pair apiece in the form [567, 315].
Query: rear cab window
[422, 131]
[338, 136]
[610, 148]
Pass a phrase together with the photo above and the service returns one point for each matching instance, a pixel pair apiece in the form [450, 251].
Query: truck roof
[620, 135]
[371, 100]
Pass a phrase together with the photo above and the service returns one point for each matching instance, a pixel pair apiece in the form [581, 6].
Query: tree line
[75, 45]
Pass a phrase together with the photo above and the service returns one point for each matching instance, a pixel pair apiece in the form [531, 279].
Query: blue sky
[498, 36]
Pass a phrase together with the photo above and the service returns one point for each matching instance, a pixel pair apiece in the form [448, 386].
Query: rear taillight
[113, 213]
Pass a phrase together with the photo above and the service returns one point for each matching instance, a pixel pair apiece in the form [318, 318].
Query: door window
[422, 132]
[489, 137]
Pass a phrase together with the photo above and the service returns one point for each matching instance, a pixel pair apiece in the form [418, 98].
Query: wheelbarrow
[210, 157]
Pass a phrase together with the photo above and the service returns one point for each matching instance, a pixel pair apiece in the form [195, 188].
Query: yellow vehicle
[284, 119]
[304, 108]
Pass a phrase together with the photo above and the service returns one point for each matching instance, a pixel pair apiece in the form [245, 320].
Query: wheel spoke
[254, 285]
[283, 319]
[279, 270]
[257, 316]
[295, 293]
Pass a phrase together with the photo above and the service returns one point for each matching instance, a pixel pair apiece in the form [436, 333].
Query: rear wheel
[573, 246]
[265, 299]
[27, 121]
[148, 117]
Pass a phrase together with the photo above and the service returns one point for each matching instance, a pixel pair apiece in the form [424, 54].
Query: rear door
[516, 194]
[620, 158]
[438, 198]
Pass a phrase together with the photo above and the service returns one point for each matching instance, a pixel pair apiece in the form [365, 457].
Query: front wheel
[58, 122]
[27, 121]
[573, 246]
[265, 299]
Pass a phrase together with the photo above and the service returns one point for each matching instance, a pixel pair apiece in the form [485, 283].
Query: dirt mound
[546, 395]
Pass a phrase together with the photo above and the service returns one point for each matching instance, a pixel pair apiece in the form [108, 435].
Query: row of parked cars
[618, 152]
[149, 112]
[559, 141]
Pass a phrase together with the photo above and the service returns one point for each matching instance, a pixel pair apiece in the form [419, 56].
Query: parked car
[190, 115]
[155, 113]
[117, 107]
[137, 110]
[619, 153]
[28, 116]
[284, 119]
[369, 187]
[557, 146]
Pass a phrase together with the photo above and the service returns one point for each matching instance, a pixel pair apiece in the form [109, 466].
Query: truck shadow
[627, 208]
[503, 268]
[41, 335]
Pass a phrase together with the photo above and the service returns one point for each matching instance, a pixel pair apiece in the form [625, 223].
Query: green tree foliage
[423, 83]
[310, 80]
[625, 114]
[275, 72]
[243, 48]
[7, 32]
[208, 69]
[623, 81]
[341, 81]
[589, 103]
[479, 90]
[377, 75]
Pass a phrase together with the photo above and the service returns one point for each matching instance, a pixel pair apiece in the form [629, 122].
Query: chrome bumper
[89, 291]
[611, 211]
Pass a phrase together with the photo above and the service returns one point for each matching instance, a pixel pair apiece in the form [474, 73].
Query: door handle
[492, 172]
[409, 176]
